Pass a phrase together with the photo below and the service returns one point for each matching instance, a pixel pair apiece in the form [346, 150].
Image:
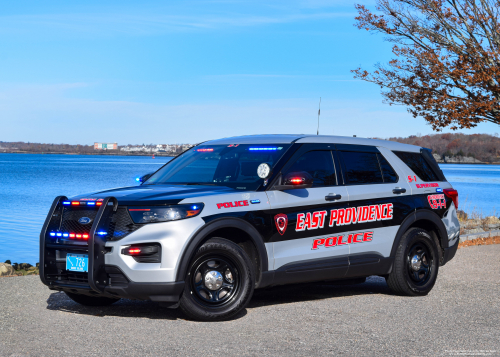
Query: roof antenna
[319, 111]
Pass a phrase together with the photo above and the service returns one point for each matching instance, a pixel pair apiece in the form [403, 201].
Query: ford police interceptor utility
[232, 215]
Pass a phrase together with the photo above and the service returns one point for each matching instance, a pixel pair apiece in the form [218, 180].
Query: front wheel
[416, 264]
[219, 283]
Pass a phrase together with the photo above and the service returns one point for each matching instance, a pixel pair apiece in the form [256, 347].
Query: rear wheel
[416, 264]
[219, 283]
[91, 300]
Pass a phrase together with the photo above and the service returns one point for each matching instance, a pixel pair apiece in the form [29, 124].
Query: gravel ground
[461, 316]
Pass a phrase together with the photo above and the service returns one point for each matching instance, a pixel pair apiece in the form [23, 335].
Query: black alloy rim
[419, 264]
[214, 297]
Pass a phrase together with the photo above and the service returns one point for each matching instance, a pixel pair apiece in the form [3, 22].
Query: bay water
[30, 182]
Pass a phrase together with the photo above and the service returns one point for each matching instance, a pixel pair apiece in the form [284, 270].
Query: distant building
[105, 146]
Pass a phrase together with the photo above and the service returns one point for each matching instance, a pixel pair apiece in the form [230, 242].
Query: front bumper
[111, 273]
[120, 286]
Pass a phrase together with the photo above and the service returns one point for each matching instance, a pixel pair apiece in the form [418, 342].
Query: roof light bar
[262, 149]
[205, 150]
[66, 203]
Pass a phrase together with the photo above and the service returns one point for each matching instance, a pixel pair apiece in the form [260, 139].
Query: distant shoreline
[105, 153]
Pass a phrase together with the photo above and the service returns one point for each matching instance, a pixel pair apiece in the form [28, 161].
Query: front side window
[233, 166]
[361, 167]
[318, 164]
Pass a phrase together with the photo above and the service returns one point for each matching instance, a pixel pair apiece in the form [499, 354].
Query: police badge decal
[281, 221]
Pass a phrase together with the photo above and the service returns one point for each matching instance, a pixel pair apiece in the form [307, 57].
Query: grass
[480, 241]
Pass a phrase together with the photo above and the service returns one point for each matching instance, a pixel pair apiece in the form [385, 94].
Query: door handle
[333, 197]
[399, 190]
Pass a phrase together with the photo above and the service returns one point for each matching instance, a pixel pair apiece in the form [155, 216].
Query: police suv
[232, 215]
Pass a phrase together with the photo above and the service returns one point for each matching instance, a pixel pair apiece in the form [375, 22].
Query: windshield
[233, 166]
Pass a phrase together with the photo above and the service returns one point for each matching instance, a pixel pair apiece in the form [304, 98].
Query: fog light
[144, 253]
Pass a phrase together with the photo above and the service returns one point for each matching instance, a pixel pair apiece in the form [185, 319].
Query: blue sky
[188, 71]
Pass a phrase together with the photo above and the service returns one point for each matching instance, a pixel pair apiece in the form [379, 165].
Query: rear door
[379, 200]
[304, 244]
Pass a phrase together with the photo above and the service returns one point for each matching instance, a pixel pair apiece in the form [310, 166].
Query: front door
[307, 245]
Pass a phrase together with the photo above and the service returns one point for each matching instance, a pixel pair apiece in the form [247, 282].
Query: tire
[416, 264]
[91, 300]
[219, 282]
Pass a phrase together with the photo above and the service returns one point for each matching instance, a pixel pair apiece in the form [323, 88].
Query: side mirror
[295, 180]
[144, 178]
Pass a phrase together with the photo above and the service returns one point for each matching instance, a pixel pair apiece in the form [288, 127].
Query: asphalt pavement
[461, 316]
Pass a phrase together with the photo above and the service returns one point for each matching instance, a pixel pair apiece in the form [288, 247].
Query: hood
[156, 194]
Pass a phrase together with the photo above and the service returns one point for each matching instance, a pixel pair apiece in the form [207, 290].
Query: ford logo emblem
[84, 220]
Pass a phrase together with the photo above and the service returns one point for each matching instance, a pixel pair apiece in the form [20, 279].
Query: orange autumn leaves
[447, 59]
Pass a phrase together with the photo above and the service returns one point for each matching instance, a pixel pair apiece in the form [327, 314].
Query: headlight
[164, 213]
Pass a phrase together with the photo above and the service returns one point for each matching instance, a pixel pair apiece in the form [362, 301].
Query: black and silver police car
[232, 215]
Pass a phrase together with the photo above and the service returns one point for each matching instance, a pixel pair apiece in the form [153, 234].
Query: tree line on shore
[483, 147]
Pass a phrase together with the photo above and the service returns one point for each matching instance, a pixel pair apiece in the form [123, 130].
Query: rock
[462, 215]
[31, 269]
[8, 262]
[6, 269]
[437, 157]
[15, 266]
[37, 265]
[492, 220]
[474, 230]
[25, 266]
[461, 160]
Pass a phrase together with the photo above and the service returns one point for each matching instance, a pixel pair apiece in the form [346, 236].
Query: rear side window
[388, 172]
[319, 164]
[418, 165]
[361, 167]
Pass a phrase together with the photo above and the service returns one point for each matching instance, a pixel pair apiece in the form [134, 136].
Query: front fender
[204, 232]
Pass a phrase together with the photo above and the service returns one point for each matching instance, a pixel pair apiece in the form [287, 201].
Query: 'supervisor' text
[344, 216]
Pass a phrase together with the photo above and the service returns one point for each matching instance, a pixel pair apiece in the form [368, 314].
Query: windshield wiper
[199, 184]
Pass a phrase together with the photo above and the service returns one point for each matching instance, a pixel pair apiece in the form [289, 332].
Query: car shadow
[277, 295]
[285, 294]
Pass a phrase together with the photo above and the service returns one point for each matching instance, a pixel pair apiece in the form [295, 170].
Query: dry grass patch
[480, 241]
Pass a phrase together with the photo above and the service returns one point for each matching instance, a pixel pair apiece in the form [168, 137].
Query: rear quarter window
[416, 162]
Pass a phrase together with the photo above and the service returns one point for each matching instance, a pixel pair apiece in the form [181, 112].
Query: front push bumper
[102, 279]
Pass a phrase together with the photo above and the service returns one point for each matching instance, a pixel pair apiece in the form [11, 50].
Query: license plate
[77, 262]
